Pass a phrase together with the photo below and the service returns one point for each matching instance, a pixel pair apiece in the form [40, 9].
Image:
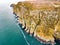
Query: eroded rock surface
[40, 20]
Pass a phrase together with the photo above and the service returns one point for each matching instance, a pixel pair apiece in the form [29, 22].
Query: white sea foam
[25, 37]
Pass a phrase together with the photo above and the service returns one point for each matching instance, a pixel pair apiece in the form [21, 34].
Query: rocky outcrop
[42, 22]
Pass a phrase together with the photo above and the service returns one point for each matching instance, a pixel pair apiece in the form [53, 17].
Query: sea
[10, 32]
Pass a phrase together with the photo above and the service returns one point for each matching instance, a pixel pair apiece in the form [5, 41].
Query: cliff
[39, 20]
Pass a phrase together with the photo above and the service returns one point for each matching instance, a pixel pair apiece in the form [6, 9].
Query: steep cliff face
[41, 21]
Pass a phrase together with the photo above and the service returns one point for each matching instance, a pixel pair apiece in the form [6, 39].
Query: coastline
[26, 28]
[36, 37]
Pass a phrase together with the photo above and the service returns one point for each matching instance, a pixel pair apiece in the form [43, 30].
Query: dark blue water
[10, 33]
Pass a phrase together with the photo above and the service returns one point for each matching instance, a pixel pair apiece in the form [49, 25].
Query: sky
[15, 1]
[9, 1]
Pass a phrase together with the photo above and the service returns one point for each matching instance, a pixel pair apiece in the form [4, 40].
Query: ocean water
[10, 32]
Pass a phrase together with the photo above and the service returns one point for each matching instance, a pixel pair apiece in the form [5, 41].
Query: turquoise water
[10, 32]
